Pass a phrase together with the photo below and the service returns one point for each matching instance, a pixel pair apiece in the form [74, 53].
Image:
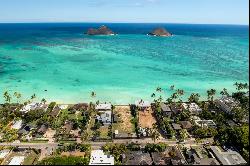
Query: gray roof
[176, 126]
[165, 108]
[229, 157]
[137, 158]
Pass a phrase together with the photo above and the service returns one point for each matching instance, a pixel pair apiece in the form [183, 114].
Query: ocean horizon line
[68, 22]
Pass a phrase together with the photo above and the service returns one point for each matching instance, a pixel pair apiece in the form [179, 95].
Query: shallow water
[69, 65]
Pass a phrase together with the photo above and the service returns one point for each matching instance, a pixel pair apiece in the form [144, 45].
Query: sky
[128, 11]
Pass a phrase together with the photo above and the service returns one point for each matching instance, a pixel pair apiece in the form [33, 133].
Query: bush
[160, 147]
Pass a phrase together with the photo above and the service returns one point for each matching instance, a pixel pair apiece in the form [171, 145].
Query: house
[99, 158]
[17, 160]
[186, 125]
[54, 113]
[4, 153]
[42, 130]
[166, 110]
[205, 123]
[171, 155]
[229, 157]
[78, 107]
[176, 126]
[33, 106]
[137, 158]
[17, 124]
[68, 126]
[193, 108]
[143, 105]
[26, 129]
[176, 109]
[226, 104]
[196, 158]
[104, 113]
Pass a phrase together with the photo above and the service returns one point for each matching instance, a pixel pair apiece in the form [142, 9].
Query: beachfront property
[166, 110]
[17, 124]
[99, 158]
[192, 107]
[104, 113]
[142, 105]
[228, 157]
[33, 106]
[226, 104]
[205, 123]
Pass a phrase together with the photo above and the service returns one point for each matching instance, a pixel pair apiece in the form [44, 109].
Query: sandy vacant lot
[146, 118]
[124, 114]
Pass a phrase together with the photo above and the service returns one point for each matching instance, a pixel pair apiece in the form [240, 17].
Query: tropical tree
[7, 97]
[43, 101]
[18, 96]
[183, 134]
[93, 94]
[153, 95]
[172, 87]
[33, 97]
[194, 97]
[224, 92]
[210, 94]
[158, 89]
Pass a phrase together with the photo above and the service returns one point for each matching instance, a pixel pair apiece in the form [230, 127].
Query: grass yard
[146, 118]
[104, 130]
[31, 159]
[124, 124]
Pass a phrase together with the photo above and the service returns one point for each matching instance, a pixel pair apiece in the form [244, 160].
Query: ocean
[58, 62]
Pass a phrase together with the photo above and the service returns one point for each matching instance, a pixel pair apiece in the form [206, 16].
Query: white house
[142, 104]
[4, 153]
[226, 104]
[105, 113]
[192, 107]
[17, 125]
[99, 158]
[16, 160]
[205, 123]
[33, 106]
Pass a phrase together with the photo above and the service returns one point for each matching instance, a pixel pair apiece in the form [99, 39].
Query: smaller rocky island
[102, 30]
[160, 32]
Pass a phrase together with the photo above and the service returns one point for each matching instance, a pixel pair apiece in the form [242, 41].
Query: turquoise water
[69, 65]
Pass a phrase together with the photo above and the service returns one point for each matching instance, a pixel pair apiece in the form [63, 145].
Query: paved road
[32, 145]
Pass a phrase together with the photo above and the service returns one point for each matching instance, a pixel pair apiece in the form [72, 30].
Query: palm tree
[172, 87]
[224, 92]
[33, 97]
[158, 89]
[93, 94]
[210, 94]
[43, 101]
[18, 96]
[153, 95]
[7, 97]
[194, 97]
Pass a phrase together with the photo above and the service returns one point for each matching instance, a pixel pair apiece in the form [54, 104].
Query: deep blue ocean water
[69, 65]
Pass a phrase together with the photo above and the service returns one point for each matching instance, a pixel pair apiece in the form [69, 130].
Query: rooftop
[99, 158]
[17, 125]
[4, 153]
[16, 160]
[143, 104]
[165, 107]
[229, 157]
[103, 107]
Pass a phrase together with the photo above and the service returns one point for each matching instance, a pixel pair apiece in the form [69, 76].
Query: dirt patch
[124, 124]
[146, 118]
[74, 153]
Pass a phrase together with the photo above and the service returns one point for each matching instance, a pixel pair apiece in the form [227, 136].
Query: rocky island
[160, 32]
[102, 30]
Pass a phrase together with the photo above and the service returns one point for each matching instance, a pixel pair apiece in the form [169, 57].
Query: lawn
[31, 159]
[104, 130]
[124, 124]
